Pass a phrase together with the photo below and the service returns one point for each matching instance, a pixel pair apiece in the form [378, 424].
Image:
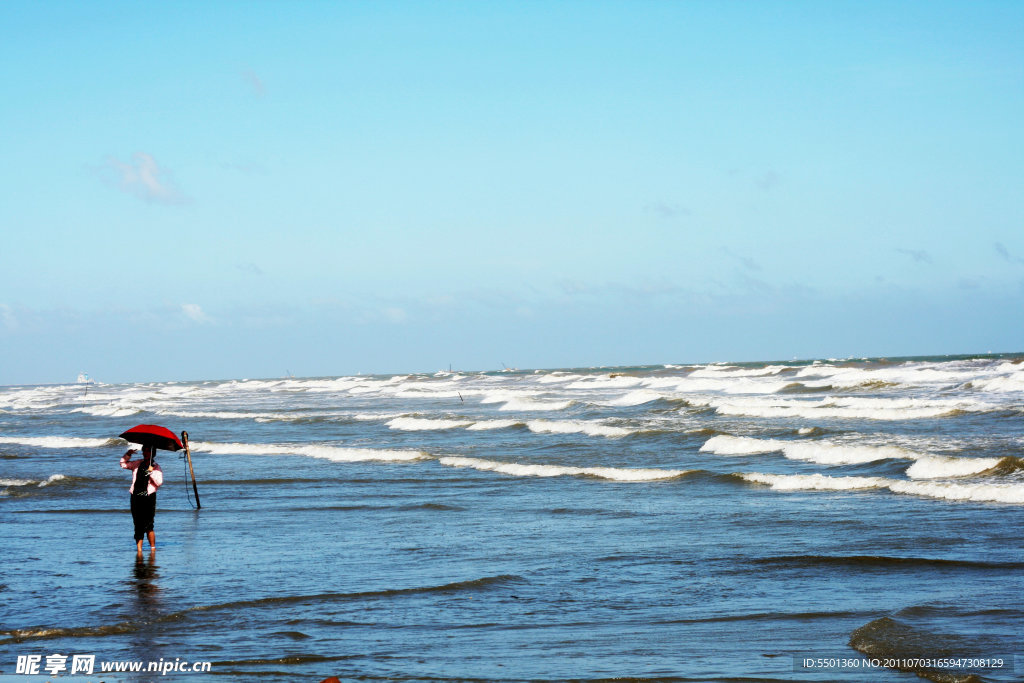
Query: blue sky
[201, 190]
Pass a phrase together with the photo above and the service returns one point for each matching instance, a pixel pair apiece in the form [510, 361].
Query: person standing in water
[146, 479]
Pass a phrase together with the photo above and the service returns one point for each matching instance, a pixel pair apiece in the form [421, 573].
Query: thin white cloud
[7, 319]
[195, 313]
[919, 255]
[143, 178]
[254, 82]
[524, 311]
[394, 314]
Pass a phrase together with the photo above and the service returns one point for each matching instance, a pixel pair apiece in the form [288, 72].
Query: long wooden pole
[188, 456]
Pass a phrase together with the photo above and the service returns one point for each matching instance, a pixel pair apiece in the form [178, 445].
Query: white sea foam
[846, 408]
[108, 410]
[1011, 382]
[214, 414]
[827, 453]
[373, 417]
[415, 424]
[724, 444]
[504, 396]
[983, 493]
[364, 389]
[428, 392]
[821, 452]
[335, 453]
[32, 399]
[55, 441]
[822, 482]
[520, 470]
[730, 371]
[976, 374]
[576, 427]
[606, 382]
[669, 383]
[250, 415]
[635, 398]
[940, 467]
[32, 482]
[818, 411]
[742, 385]
[558, 377]
[534, 405]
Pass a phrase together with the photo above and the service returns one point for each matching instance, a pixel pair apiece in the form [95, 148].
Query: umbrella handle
[188, 456]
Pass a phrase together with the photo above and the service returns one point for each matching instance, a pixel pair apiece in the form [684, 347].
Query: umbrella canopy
[153, 435]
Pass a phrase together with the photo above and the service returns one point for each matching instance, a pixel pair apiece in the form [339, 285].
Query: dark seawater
[707, 523]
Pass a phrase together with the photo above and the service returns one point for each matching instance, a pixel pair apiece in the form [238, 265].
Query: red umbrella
[153, 435]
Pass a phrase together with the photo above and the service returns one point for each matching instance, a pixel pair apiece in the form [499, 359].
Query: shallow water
[668, 522]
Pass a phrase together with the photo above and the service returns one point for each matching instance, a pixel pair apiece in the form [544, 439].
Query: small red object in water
[153, 435]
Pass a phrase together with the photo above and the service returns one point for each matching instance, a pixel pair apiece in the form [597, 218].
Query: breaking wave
[531, 405]
[848, 408]
[980, 493]
[636, 398]
[416, 424]
[413, 424]
[335, 453]
[576, 427]
[525, 401]
[983, 493]
[941, 467]
[827, 453]
[521, 470]
[61, 441]
[108, 410]
[820, 452]
[32, 482]
[812, 482]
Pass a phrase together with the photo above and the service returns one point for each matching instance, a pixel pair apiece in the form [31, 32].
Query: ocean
[828, 520]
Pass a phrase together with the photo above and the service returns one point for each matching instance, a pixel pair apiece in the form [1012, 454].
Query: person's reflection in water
[146, 641]
[147, 591]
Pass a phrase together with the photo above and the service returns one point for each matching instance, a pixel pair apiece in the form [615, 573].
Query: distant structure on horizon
[83, 378]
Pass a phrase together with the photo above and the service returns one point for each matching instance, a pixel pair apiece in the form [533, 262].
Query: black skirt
[143, 514]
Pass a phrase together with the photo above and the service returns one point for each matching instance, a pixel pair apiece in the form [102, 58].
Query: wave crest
[520, 470]
[979, 493]
[61, 441]
[335, 453]
[820, 452]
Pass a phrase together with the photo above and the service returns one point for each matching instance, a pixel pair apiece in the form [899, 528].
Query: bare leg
[138, 546]
[152, 541]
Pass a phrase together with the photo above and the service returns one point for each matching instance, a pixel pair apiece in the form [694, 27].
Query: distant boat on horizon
[83, 378]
